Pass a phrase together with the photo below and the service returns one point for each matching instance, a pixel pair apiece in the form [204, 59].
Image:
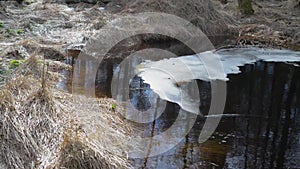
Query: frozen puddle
[168, 77]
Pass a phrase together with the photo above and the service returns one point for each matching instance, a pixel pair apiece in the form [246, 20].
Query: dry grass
[201, 13]
[42, 127]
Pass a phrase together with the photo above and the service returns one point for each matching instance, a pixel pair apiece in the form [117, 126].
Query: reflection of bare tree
[286, 125]
[272, 91]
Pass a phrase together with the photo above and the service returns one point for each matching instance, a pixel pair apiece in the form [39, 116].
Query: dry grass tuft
[42, 127]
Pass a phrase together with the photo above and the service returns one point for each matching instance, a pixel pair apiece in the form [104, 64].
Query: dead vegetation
[42, 127]
[273, 24]
[201, 13]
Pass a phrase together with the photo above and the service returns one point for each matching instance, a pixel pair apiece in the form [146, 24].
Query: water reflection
[140, 94]
[271, 91]
[265, 135]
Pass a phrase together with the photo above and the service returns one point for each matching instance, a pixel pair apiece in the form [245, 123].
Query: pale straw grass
[43, 127]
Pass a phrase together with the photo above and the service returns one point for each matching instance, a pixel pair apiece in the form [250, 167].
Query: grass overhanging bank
[43, 127]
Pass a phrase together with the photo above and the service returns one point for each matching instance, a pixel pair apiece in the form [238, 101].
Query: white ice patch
[232, 58]
[167, 76]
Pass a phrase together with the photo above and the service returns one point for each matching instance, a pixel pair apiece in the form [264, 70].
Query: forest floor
[60, 29]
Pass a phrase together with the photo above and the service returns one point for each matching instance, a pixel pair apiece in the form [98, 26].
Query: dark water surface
[266, 134]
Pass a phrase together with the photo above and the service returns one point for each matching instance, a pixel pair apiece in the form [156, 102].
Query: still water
[265, 134]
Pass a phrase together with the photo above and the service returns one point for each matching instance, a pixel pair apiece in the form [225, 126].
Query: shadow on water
[266, 135]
